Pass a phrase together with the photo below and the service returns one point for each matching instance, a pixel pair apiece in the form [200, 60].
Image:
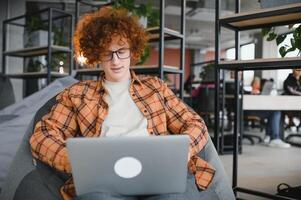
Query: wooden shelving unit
[169, 34]
[31, 75]
[37, 51]
[267, 63]
[282, 15]
[46, 50]
[143, 69]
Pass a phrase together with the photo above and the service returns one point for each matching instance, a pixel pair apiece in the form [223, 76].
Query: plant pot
[37, 38]
[143, 21]
[275, 3]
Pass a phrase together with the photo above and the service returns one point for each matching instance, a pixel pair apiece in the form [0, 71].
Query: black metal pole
[4, 47]
[235, 135]
[77, 5]
[71, 64]
[49, 46]
[182, 57]
[217, 74]
[223, 108]
[77, 10]
[161, 42]
[241, 113]
[237, 107]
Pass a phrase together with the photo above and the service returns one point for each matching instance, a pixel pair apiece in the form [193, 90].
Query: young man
[292, 86]
[120, 104]
[272, 138]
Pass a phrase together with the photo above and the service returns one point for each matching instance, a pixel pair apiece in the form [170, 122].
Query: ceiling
[200, 22]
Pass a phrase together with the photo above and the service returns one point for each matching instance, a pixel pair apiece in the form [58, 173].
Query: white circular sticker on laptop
[128, 167]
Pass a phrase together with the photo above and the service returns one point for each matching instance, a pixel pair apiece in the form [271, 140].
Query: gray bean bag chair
[15, 120]
[6, 90]
[23, 165]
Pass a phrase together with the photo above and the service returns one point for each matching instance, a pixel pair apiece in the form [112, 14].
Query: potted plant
[149, 17]
[271, 33]
[208, 73]
[295, 42]
[35, 32]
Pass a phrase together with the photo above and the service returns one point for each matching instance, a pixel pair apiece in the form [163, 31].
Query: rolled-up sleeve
[181, 119]
[48, 142]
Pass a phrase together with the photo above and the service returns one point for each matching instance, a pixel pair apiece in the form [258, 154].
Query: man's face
[116, 60]
[297, 73]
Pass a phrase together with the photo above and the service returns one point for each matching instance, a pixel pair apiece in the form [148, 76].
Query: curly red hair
[94, 32]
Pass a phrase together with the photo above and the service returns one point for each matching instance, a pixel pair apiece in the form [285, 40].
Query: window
[247, 53]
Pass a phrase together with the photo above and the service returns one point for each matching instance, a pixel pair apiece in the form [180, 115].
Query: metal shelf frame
[41, 50]
[245, 21]
[261, 64]
[269, 17]
[37, 51]
[35, 75]
[138, 69]
[89, 3]
[180, 36]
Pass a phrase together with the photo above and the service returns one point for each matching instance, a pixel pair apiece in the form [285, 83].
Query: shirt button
[145, 111]
[133, 95]
[152, 132]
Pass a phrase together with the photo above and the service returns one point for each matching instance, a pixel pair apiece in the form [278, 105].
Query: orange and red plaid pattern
[81, 109]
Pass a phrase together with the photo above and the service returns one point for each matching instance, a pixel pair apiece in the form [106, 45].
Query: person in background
[272, 138]
[188, 84]
[292, 86]
[114, 39]
[256, 85]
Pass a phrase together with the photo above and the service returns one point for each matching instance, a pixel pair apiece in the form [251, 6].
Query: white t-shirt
[124, 117]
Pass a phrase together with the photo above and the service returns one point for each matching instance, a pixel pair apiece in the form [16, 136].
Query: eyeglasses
[122, 53]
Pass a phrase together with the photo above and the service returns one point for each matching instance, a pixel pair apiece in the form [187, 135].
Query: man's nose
[115, 57]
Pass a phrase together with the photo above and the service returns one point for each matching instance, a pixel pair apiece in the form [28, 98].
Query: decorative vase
[143, 21]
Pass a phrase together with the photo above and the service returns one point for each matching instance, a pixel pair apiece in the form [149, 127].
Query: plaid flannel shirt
[81, 109]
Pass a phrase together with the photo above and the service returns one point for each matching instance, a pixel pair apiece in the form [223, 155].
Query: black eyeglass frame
[116, 52]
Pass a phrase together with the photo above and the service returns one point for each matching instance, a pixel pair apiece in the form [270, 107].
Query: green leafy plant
[145, 55]
[295, 42]
[140, 10]
[34, 65]
[208, 72]
[34, 23]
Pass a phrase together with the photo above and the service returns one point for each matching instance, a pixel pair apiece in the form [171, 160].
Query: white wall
[15, 40]
[270, 50]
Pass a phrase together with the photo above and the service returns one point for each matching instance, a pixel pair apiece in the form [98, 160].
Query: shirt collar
[135, 79]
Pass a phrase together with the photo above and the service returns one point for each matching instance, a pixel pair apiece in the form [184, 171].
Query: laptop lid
[267, 88]
[129, 165]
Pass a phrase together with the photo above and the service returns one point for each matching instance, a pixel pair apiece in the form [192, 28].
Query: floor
[262, 168]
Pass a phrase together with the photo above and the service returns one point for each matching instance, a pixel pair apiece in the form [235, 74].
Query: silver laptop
[129, 165]
[267, 88]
